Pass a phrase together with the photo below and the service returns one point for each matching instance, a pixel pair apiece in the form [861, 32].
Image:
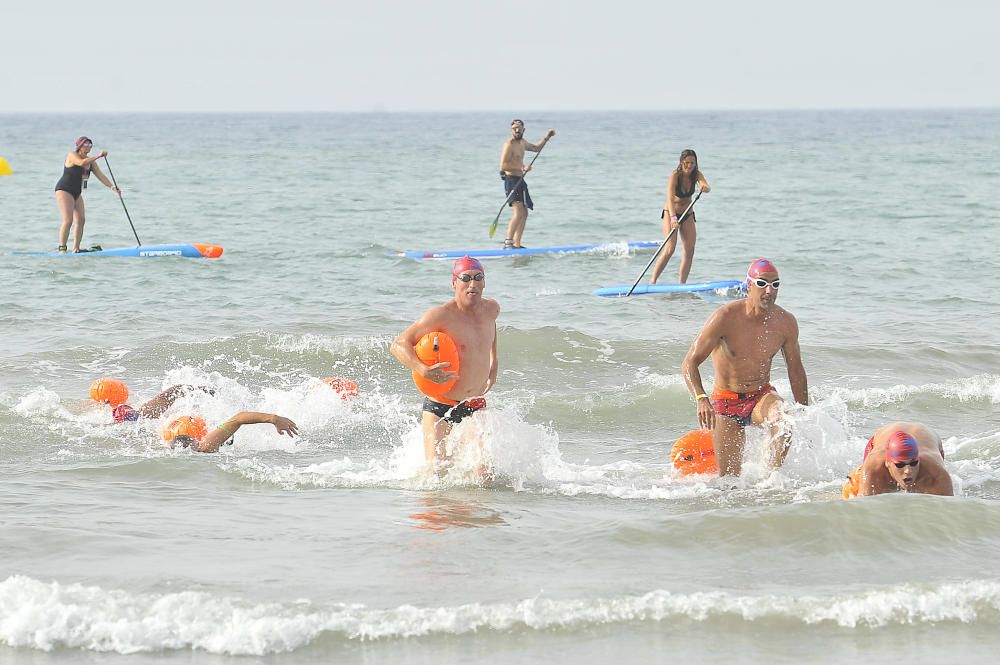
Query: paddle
[5, 167]
[513, 192]
[663, 244]
[122, 199]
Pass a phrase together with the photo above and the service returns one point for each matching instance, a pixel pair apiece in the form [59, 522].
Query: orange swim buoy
[853, 484]
[109, 391]
[694, 453]
[434, 348]
[191, 426]
[345, 387]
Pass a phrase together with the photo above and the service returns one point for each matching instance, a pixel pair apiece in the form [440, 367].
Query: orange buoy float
[434, 348]
[191, 426]
[345, 387]
[694, 453]
[853, 484]
[109, 391]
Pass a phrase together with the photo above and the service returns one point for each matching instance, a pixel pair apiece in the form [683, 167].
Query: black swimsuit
[683, 195]
[71, 181]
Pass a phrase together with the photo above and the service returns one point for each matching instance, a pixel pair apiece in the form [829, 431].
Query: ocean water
[586, 547]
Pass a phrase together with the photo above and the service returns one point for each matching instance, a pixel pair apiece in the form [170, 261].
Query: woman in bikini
[680, 189]
[77, 168]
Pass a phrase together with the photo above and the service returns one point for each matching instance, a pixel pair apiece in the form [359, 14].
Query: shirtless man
[512, 170]
[470, 320]
[904, 456]
[743, 337]
[224, 434]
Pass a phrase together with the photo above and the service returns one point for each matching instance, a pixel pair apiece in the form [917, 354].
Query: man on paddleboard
[742, 337]
[904, 457]
[512, 170]
[470, 321]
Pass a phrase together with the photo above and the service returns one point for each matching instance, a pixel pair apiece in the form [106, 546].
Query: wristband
[673, 216]
[699, 396]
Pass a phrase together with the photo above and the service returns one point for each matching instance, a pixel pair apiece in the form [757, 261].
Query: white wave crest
[46, 616]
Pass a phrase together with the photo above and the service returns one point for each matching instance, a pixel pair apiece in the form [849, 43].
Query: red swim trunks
[738, 406]
[868, 448]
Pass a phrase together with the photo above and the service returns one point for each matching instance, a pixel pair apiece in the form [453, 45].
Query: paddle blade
[5, 167]
[493, 226]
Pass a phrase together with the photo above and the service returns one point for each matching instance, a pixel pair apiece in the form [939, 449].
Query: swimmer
[742, 337]
[471, 321]
[192, 433]
[157, 406]
[904, 456]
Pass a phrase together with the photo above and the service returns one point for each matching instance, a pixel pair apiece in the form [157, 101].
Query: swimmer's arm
[869, 483]
[157, 406]
[403, 350]
[222, 433]
[793, 360]
[702, 347]
[494, 361]
[943, 485]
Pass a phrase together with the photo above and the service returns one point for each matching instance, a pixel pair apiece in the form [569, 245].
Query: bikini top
[677, 190]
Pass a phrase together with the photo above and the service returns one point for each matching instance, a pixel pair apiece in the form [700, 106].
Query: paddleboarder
[680, 189]
[512, 170]
[77, 168]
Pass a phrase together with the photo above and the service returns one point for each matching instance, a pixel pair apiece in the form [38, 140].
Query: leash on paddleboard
[662, 244]
[513, 192]
[122, 199]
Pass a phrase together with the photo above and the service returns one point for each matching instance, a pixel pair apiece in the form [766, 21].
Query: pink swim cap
[463, 264]
[760, 266]
[901, 447]
[83, 139]
[124, 412]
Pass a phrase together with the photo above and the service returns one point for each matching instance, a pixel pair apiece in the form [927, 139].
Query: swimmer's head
[185, 431]
[762, 281]
[517, 127]
[124, 413]
[466, 264]
[84, 141]
[902, 458]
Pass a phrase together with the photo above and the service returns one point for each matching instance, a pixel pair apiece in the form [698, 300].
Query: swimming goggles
[912, 462]
[465, 277]
[763, 283]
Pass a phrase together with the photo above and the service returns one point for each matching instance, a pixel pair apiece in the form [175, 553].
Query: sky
[516, 55]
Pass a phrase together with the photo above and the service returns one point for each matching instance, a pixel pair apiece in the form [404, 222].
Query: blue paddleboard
[694, 287]
[526, 251]
[192, 251]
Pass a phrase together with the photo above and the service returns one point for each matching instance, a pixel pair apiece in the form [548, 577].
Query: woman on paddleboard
[77, 168]
[680, 190]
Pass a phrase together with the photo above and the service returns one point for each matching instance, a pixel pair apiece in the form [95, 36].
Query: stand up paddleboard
[694, 287]
[192, 251]
[526, 251]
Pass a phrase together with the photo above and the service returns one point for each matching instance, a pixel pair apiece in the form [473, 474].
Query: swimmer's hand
[549, 134]
[706, 414]
[706, 189]
[104, 153]
[285, 426]
[525, 168]
[438, 374]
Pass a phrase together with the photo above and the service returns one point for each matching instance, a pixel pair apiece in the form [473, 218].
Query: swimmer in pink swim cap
[904, 456]
[742, 338]
[471, 322]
